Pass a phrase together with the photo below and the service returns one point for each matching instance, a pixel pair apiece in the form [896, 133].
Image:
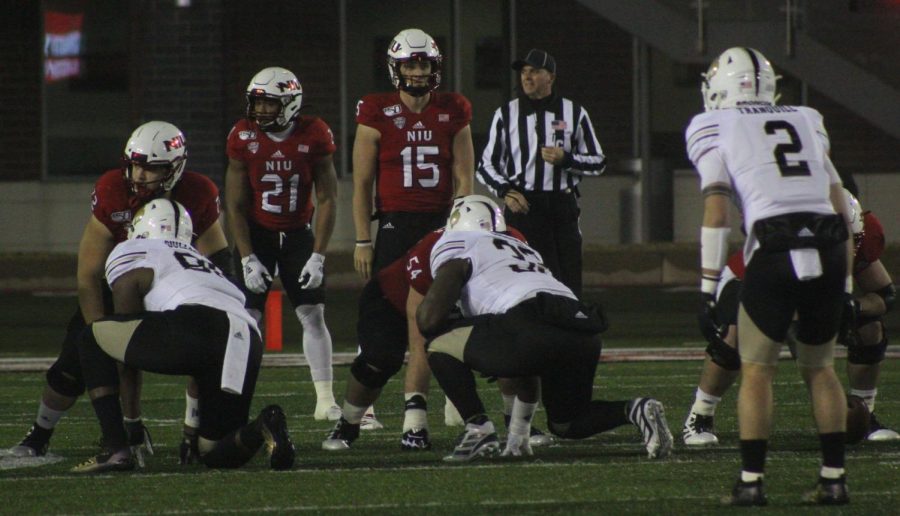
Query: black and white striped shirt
[512, 156]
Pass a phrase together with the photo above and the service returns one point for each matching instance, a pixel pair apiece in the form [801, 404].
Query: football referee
[539, 147]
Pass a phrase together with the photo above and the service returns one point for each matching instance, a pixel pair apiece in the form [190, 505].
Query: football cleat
[278, 440]
[517, 446]
[369, 422]
[698, 431]
[746, 494]
[34, 444]
[829, 491]
[451, 415]
[538, 439]
[415, 439]
[342, 436]
[106, 463]
[327, 410]
[649, 416]
[878, 432]
[477, 440]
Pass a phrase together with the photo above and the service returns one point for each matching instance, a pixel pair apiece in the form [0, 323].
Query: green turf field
[607, 474]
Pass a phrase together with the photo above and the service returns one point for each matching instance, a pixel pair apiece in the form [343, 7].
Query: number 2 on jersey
[422, 152]
[800, 168]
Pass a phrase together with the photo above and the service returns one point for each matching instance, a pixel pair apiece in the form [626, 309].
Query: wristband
[363, 243]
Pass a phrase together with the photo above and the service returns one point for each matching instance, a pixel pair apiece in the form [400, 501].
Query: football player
[177, 314]
[387, 326]
[413, 153]
[518, 321]
[154, 162]
[864, 334]
[798, 254]
[276, 159]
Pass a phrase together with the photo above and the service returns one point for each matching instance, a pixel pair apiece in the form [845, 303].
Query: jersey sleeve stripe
[124, 260]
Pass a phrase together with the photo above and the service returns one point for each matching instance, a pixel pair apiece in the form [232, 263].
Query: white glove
[517, 446]
[313, 272]
[256, 276]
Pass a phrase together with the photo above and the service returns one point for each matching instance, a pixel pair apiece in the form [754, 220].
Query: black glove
[849, 319]
[188, 452]
[709, 324]
[139, 440]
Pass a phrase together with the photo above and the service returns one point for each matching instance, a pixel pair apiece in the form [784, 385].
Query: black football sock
[109, 412]
[458, 383]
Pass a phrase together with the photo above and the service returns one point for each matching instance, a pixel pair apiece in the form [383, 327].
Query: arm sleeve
[588, 158]
[491, 170]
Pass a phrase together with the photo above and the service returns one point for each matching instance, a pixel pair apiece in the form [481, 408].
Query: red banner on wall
[62, 45]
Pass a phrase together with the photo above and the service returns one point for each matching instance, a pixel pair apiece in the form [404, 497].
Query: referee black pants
[551, 227]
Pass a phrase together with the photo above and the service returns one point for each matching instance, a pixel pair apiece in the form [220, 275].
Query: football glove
[313, 272]
[188, 451]
[139, 440]
[256, 276]
[849, 317]
[709, 324]
[517, 446]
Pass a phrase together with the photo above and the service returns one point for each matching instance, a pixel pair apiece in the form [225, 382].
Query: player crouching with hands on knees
[176, 314]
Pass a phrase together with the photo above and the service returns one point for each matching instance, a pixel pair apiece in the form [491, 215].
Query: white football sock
[749, 476]
[47, 417]
[508, 401]
[352, 413]
[831, 473]
[520, 417]
[867, 395]
[414, 418]
[705, 404]
[316, 341]
[191, 411]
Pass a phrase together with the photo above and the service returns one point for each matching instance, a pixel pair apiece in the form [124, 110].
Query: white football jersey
[505, 271]
[181, 276]
[774, 157]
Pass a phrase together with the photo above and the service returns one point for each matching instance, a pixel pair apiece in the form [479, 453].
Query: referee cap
[536, 58]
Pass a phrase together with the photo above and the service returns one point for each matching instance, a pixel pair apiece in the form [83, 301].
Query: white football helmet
[856, 212]
[475, 213]
[156, 144]
[412, 45]
[277, 84]
[740, 75]
[162, 219]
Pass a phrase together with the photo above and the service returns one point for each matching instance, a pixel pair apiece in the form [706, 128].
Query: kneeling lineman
[176, 314]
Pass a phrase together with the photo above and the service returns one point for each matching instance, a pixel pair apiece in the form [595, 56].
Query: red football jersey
[415, 154]
[281, 173]
[414, 270]
[872, 245]
[736, 264]
[112, 201]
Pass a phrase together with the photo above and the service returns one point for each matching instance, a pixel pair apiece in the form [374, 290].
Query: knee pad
[65, 376]
[63, 383]
[723, 355]
[867, 355]
[370, 375]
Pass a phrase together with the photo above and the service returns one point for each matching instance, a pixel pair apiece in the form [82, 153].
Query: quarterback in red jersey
[276, 160]
[413, 151]
[863, 332]
[155, 157]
